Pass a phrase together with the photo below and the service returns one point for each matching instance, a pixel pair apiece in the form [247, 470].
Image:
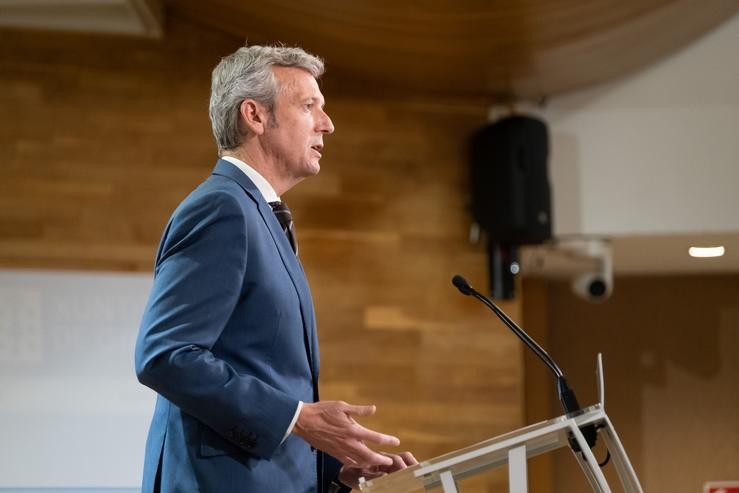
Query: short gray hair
[247, 74]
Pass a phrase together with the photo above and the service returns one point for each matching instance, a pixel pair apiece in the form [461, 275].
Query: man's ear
[254, 116]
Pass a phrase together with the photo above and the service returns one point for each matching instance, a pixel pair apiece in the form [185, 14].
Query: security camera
[593, 286]
[596, 283]
[586, 260]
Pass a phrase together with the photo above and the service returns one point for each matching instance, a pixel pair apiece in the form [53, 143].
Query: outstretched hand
[329, 426]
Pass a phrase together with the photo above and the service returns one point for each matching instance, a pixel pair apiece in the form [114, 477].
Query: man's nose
[326, 125]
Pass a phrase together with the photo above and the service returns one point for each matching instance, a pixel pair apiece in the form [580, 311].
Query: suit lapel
[291, 262]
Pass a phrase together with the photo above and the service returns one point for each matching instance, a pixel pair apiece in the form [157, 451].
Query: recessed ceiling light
[706, 251]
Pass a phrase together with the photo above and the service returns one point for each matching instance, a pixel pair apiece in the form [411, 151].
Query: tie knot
[280, 208]
[282, 212]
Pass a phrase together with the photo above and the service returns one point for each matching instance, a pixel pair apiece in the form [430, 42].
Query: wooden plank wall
[102, 137]
[671, 369]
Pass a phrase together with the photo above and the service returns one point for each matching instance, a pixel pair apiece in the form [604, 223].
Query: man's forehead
[297, 82]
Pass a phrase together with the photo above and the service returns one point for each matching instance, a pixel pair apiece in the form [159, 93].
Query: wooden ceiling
[491, 50]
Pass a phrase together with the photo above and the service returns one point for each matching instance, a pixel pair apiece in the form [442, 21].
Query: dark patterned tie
[286, 221]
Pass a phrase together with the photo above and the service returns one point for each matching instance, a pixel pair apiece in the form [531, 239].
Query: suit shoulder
[219, 186]
[209, 205]
[215, 206]
[216, 194]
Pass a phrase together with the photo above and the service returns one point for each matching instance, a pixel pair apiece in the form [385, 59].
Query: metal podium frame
[514, 449]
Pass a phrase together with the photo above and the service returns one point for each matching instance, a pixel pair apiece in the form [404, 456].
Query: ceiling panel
[492, 50]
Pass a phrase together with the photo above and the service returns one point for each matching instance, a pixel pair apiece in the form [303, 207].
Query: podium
[514, 449]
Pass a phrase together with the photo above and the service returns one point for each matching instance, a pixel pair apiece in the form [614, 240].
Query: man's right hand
[330, 427]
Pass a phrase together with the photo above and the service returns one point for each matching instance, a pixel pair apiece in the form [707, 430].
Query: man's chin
[313, 169]
[306, 171]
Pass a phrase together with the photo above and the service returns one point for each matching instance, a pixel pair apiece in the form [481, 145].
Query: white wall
[654, 153]
[71, 410]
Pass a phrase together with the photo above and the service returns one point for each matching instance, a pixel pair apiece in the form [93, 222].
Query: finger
[367, 458]
[408, 459]
[346, 460]
[365, 434]
[398, 462]
[360, 410]
[373, 474]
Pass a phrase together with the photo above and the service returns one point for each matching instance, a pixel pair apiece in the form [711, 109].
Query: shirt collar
[260, 182]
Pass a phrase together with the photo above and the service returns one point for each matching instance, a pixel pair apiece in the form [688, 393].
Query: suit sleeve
[198, 280]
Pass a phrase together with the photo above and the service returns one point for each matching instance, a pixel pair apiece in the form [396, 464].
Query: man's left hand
[349, 475]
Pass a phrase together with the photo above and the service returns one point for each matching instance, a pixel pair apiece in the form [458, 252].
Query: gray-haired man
[228, 339]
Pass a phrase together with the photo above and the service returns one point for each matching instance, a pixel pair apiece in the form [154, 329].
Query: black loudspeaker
[510, 193]
[509, 179]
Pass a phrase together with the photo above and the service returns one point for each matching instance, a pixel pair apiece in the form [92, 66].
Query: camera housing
[587, 261]
[596, 283]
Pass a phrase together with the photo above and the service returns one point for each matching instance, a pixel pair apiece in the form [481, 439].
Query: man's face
[293, 137]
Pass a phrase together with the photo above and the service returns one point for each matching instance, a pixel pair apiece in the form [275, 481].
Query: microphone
[462, 284]
[566, 394]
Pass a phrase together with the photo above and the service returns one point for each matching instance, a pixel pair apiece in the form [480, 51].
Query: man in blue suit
[228, 338]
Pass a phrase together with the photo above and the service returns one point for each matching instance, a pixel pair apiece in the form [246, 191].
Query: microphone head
[462, 284]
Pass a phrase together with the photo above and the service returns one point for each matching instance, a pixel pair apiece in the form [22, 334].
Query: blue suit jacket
[228, 341]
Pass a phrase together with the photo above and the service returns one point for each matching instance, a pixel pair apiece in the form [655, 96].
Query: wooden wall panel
[383, 229]
[671, 363]
[102, 137]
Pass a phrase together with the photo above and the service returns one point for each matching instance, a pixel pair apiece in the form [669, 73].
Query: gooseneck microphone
[565, 393]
